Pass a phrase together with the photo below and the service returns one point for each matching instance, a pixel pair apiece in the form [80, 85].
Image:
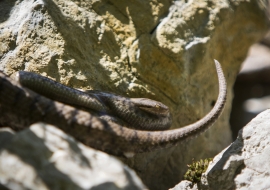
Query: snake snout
[152, 106]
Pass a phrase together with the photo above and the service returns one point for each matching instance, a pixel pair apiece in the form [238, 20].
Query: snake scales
[139, 113]
[20, 107]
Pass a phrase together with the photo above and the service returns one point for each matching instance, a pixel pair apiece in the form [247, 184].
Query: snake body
[20, 107]
[142, 113]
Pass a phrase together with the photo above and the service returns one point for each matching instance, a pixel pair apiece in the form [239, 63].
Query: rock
[185, 185]
[6, 135]
[245, 163]
[161, 49]
[43, 157]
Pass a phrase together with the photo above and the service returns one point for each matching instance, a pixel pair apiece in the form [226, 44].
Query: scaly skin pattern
[20, 107]
[139, 113]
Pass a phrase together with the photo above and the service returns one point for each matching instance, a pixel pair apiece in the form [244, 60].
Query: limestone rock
[160, 49]
[245, 163]
[185, 185]
[43, 157]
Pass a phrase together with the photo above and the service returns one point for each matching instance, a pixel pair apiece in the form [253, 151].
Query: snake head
[151, 106]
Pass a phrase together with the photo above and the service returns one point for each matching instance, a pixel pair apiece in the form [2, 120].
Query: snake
[139, 113]
[21, 107]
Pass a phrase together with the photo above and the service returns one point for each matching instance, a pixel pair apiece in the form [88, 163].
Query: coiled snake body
[139, 113]
[20, 107]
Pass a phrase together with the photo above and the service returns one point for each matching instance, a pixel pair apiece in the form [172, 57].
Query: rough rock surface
[159, 49]
[43, 157]
[242, 165]
[245, 163]
[185, 185]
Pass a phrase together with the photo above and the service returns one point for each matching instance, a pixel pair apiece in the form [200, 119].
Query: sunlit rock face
[159, 49]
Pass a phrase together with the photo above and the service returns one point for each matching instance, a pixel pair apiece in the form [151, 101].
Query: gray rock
[6, 134]
[245, 163]
[43, 157]
[161, 49]
[185, 185]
